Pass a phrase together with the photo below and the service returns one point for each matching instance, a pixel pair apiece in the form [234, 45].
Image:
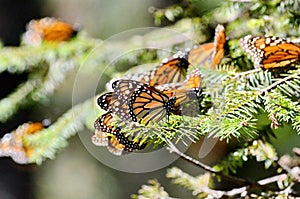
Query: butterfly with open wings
[269, 52]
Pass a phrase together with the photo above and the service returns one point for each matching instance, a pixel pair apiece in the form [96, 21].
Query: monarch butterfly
[48, 29]
[106, 134]
[170, 71]
[117, 101]
[219, 45]
[270, 52]
[12, 143]
[145, 103]
[141, 101]
[130, 94]
[211, 53]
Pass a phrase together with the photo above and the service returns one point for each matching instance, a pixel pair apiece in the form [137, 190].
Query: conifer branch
[152, 191]
[172, 148]
[281, 81]
[246, 185]
[199, 185]
[56, 74]
[177, 128]
[11, 103]
[47, 142]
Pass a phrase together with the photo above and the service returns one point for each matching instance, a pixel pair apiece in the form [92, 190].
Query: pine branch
[37, 88]
[282, 109]
[240, 98]
[27, 58]
[19, 59]
[188, 181]
[11, 103]
[48, 142]
[172, 148]
[57, 72]
[262, 151]
[288, 85]
[152, 191]
[199, 185]
[235, 110]
[233, 115]
[176, 128]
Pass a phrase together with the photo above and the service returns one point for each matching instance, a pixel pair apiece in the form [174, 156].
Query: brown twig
[240, 181]
[172, 148]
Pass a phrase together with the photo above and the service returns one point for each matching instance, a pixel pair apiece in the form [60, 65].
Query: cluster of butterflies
[154, 95]
[157, 94]
[150, 97]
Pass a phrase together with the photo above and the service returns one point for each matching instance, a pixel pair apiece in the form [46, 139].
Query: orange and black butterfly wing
[117, 101]
[187, 94]
[129, 144]
[116, 104]
[170, 71]
[194, 81]
[58, 31]
[281, 55]
[106, 134]
[210, 53]
[149, 104]
[270, 52]
[104, 123]
[105, 101]
[201, 54]
[219, 46]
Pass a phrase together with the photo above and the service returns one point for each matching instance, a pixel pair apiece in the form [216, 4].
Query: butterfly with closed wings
[171, 70]
[49, 29]
[209, 54]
